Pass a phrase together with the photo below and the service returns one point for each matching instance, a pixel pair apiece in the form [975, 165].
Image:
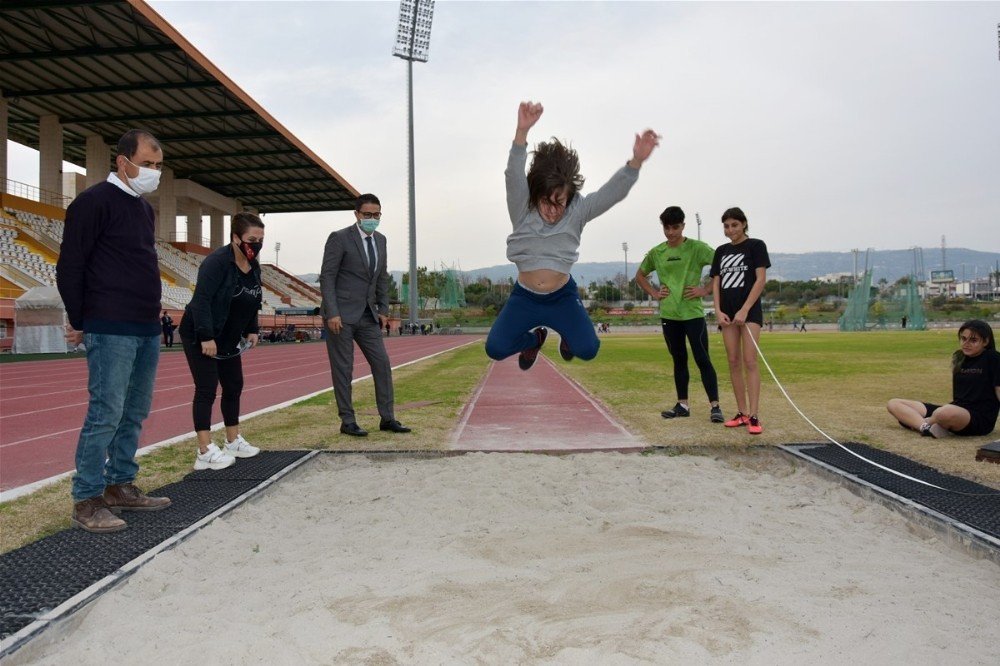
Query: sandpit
[517, 558]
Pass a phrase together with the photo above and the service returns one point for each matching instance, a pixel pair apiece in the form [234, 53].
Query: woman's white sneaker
[213, 458]
[241, 448]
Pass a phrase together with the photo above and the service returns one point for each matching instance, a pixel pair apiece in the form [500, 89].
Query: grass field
[840, 381]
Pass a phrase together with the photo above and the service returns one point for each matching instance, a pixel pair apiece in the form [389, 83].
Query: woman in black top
[219, 324]
[739, 271]
[975, 386]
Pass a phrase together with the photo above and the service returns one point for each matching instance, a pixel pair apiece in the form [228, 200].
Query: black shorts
[754, 316]
[979, 423]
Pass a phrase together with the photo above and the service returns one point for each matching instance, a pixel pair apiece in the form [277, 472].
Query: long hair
[980, 328]
[553, 167]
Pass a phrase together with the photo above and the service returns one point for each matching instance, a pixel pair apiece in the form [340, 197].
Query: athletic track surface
[43, 403]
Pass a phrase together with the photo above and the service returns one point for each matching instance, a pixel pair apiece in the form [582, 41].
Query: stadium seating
[280, 290]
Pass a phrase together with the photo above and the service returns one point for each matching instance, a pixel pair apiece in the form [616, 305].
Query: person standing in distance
[678, 263]
[108, 276]
[167, 322]
[355, 286]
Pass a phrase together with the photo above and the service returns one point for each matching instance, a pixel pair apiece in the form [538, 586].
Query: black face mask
[251, 250]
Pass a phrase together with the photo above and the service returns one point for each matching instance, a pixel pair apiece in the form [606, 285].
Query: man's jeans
[122, 370]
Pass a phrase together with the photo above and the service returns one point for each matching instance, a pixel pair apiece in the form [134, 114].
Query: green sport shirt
[676, 268]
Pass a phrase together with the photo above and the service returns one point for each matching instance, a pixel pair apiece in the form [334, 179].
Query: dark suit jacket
[345, 281]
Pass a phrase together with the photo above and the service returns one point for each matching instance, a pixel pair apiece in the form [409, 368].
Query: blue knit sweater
[108, 273]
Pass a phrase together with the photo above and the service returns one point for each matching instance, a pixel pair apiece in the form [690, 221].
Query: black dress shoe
[394, 426]
[353, 429]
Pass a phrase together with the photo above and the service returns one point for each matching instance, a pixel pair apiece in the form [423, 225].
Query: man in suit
[355, 285]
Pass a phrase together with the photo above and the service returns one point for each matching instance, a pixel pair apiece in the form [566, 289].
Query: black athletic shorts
[754, 316]
[979, 423]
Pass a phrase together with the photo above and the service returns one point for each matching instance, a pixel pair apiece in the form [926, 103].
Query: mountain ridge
[888, 264]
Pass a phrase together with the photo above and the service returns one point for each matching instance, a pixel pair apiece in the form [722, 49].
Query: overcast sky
[833, 125]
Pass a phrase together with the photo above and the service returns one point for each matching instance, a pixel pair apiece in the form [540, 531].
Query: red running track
[538, 410]
[43, 403]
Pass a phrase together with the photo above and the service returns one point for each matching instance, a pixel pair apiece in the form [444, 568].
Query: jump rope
[836, 443]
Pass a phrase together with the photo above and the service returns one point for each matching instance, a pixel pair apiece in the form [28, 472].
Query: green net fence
[901, 309]
[452, 293]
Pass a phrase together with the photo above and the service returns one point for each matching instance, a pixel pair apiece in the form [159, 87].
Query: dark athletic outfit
[736, 266]
[974, 389]
[224, 308]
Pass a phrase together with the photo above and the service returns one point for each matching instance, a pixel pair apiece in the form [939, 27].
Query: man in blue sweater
[109, 278]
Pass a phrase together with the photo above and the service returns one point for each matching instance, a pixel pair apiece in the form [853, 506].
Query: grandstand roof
[104, 66]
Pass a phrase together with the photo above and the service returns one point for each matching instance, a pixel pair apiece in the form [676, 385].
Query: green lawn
[841, 381]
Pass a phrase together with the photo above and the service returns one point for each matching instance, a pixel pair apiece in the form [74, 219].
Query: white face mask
[147, 181]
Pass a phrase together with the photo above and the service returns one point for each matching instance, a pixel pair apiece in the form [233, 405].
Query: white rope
[767, 365]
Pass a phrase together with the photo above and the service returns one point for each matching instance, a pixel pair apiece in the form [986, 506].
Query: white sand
[515, 558]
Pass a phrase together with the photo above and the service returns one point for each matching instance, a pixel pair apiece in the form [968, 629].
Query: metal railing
[182, 237]
[25, 191]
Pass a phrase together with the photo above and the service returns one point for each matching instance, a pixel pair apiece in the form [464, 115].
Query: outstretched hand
[643, 147]
[528, 114]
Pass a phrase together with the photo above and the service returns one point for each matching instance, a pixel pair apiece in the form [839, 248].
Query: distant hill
[888, 264]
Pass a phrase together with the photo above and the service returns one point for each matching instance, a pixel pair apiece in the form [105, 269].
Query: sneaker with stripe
[739, 420]
[676, 411]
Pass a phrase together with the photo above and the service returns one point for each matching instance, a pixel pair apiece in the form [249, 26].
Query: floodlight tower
[697, 218]
[413, 41]
[625, 249]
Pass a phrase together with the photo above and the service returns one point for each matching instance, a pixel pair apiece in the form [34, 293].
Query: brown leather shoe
[93, 515]
[127, 497]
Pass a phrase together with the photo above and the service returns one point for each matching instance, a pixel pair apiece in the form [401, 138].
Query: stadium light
[413, 41]
[277, 249]
[625, 248]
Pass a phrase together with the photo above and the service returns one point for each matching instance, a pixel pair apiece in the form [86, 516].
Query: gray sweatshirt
[535, 244]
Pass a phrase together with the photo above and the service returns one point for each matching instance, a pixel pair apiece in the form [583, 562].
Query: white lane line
[14, 493]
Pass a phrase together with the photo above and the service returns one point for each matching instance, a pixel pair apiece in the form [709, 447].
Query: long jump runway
[538, 410]
[43, 403]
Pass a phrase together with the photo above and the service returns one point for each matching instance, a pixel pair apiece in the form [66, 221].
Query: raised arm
[601, 200]
[643, 147]
[528, 114]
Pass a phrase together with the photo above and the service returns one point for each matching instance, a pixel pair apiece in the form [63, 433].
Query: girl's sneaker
[753, 426]
[676, 411]
[213, 458]
[716, 415]
[739, 420]
[240, 448]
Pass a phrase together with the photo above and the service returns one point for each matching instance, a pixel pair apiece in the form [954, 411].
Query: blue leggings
[560, 310]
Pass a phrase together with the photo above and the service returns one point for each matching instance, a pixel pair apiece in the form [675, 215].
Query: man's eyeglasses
[370, 216]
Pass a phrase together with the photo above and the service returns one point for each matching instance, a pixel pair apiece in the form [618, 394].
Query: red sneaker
[753, 426]
[739, 420]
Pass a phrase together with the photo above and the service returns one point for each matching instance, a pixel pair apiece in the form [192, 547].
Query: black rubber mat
[979, 508]
[40, 576]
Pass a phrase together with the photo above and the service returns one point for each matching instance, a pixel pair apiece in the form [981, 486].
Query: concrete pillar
[98, 160]
[50, 158]
[220, 235]
[192, 209]
[166, 215]
[3, 144]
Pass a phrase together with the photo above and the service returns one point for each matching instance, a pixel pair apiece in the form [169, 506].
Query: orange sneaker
[753, 426]
[737, 421]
